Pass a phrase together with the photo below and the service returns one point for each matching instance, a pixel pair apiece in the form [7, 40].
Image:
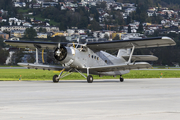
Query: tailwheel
[89, 78]
[121, 78]
[55, 79]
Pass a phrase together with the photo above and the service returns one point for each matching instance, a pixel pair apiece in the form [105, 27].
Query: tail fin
[123, 52]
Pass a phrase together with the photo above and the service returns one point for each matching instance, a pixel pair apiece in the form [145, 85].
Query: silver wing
[138, 43]
[42, 66]
[141, 58]
[131, 66]
[97, 46]
[33, 44]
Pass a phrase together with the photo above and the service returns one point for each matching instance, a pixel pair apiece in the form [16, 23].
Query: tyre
[89, 78]
[55, 80]
[121, 79]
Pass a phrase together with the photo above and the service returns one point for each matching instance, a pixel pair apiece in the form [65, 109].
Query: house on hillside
[42, 35]
[10, 28]
[49, 4]
[17, 33]
[4, 35]
[19, 4]
[48, 28]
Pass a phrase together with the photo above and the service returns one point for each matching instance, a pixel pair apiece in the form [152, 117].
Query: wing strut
[36, 55]
[43, 55]
[129, 61]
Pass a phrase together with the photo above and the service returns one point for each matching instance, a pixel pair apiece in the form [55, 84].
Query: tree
[31, 59]
[102, 5]
[30, 33]
[129, 29]
[13, 23]
[140, 28]
[42, 30]
[94, 25]
[17, 56]
[4, 55]
[166, 15]
[106, 36]
[128, 20]
[117, 37]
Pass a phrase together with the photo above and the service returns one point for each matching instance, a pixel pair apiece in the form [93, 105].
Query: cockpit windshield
[80, 47]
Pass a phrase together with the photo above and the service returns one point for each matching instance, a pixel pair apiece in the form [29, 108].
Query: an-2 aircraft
[91, 57]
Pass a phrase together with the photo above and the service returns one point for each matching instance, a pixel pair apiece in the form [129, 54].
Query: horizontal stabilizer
[141, 58]
[41, 66]
[131, 66]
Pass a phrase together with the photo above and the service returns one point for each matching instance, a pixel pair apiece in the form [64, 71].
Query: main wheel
[121, 79]
[55, 79]
[89, 78]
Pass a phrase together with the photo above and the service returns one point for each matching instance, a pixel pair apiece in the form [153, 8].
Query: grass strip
[32, 74]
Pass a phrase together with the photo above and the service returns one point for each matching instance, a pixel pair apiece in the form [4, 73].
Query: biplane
[91, 57]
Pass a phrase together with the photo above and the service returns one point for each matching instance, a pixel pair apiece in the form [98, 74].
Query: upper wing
[33, 44]
[131, 66]
[138, 43]
[97, 46]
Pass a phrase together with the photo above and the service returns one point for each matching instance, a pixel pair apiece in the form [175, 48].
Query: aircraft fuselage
[80, 58]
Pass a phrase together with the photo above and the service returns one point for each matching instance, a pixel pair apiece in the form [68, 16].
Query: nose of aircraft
[60, 53]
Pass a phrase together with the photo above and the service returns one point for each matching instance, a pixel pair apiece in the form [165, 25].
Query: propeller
[60, 52]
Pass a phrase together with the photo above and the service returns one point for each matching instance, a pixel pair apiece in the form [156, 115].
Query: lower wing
[141, 58]
[44, 67]
[131, 66]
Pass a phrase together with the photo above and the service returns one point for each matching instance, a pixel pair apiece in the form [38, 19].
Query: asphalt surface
[134, 99]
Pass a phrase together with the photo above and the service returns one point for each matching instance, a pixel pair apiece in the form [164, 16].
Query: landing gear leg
[89, 77]
[56, 77]
[121, 78]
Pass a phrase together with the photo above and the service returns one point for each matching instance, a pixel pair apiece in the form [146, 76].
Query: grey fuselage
[82, 58]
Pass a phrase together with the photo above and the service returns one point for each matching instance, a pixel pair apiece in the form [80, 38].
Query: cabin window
[97, 58]
[92, 56]
[105, 61]
[89, 55]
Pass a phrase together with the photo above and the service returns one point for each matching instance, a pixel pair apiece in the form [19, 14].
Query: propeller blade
[59, 45]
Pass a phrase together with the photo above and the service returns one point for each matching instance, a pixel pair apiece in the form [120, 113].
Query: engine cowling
[60, 53]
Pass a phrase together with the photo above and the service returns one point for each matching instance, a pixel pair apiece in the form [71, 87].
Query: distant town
[16, 27]
[89, 20]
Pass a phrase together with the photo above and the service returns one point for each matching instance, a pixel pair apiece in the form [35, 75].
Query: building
[4, 36]
[48, 28]
[49, 4]
[41, 35]
[13, 28]
[17, 33]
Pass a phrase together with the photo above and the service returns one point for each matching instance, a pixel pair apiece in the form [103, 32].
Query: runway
[134, 99]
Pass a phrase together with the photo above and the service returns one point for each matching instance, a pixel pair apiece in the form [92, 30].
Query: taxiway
[134, 99]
